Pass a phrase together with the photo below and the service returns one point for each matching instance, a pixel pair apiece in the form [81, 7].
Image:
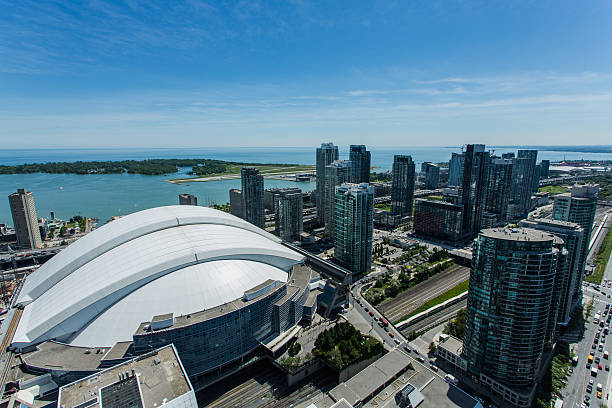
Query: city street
[575, 390]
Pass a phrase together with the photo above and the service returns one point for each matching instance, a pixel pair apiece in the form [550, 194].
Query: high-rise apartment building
[431, 175]
[570, 277]
[473, 188]
[271, 193]
[437, 219]
[326, 154]
[236, 202]
[336, 173]
[536, 177]
[455, 170]
[360, 161]
[545, 171]
[509, 155]
[498, 192]
[188, 199]
[288, 215]
[578, 206]
[507, 316]
[402, 186]
[253, 196]
[525, 165]
[354, 226]
[25, 219]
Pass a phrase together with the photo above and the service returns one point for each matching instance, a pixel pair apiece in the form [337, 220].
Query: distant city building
[455, 170]
[569, 279]
[336, 173]
[508, 155]
[288, 215]
[578, 206]
[536, 178]
[236, 202]
[152, 380]
[253, 196]
[360, 161]
[473, 188]
[498, 192]
[271, 193]
[188, 199]
[507, 316]
[431, 174]
[354, 226]
[326, 154]
[381, 189]
[402, 187]
[525, 177]
[437, 219]
[545, 169]
[25, 219]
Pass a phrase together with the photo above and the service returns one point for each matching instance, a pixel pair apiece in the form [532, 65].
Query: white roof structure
[175, 259]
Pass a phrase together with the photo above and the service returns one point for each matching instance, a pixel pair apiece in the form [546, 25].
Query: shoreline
[271, 175]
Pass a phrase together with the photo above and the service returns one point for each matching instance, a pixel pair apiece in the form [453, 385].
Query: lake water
[103, 196]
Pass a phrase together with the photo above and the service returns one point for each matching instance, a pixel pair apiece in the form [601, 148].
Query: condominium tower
[402, 186]
[360, 161]
[455, 170]
[253, 196]
[507, 316]
[498, 192]
[431, 175]
[336, 173]
[288, 216]
[354, 223]
[326, 154]
[25, 219]
[578, 206]
[473, 188]
[188, 199]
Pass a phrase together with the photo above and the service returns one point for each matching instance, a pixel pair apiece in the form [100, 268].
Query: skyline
[192, 74]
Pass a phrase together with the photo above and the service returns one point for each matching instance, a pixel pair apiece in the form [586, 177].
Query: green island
[344, 345]
[152, 167]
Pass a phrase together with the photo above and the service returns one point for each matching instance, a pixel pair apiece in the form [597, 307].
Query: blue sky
[296, 73]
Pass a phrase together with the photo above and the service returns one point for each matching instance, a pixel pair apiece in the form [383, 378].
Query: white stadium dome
[175, 259]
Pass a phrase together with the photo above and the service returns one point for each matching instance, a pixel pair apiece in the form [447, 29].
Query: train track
[8, 337]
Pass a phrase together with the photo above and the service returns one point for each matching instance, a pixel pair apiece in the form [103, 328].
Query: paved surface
[394, 309]
[575, 390]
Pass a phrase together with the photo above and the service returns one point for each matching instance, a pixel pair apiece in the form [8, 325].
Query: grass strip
[451, 293]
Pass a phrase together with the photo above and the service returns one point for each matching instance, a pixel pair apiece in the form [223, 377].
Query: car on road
[397, 342]
[597, 360]
[367, 310]
[599, 394]
[408, 350]
[371, 313]
[391, 335]
[589, 388]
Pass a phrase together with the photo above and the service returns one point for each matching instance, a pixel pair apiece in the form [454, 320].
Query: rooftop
[154, 379]
[58, 356]
[517, 234]
[453, 344]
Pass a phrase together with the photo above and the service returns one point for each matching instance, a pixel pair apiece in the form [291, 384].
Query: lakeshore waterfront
[103, 196]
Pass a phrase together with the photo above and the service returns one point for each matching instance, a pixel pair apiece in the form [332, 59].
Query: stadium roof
[176, 259]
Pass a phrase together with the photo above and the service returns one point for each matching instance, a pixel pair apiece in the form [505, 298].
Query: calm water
[103, 196]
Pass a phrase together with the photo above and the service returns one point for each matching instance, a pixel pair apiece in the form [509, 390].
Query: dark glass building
[402, 186]
[253, 196]
[326, 154]
[360, 161]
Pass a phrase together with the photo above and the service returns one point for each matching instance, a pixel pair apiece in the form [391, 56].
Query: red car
[371, 313]
[390, 334]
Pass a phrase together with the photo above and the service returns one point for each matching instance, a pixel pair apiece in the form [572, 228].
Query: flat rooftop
[517, 234]
[152, 379]
[58, 356]
[453, 344]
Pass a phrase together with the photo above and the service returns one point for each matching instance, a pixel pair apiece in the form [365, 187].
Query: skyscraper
[253, 196]
[431, 173]
[402, 186]
[455, 170]
[188, 199]
[498, 191]
[570, 277]
[578, 206]
[236, 202]
[545, 172]
[336, 173]
[473, 188]
[507, 316]
[524, 176]
[536, 178]
[288, 214]
[360, 161]
[326, 154]
[25, 219]
[354, 225]
[509, 155]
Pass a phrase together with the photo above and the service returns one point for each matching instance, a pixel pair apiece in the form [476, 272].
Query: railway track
[8, 337]
[414, 297]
